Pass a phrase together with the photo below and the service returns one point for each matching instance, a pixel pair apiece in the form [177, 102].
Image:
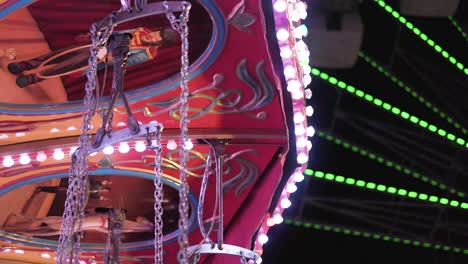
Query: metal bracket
[227, 249]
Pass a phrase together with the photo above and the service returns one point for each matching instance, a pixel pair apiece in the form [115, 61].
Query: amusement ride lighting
[58, 154]
[388, 107]
[388, 238]
[458, 27]
[140, 146]
[171, 145]
[124, 147]
[108, 150]
[188, 145]
[262, 239]
[19, 251]
[384, 188]
[8, 161]
[390, 164]
[24, 159]
[422, 36]
[412, 92]
[54, 130]
[71, 128]
[41, 156]
[45, 255]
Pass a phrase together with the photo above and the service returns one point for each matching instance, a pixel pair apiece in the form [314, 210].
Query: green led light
[418, 32]
[396, 110]
[387, 106]
[454, 203]
[381, 187]
[405, 115]
[350, 89]
[458, 27]
[373, 156]
[315, 72]
[323, 76]
[342, 85]
[368, 97]
[332, 80]
[359, 93]
[375, 236]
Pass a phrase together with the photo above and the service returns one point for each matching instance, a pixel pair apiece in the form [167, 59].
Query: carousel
[149, 131]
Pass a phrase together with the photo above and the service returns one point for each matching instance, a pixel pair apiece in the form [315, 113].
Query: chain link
[181, 26]
[158, 196]
[68, 249]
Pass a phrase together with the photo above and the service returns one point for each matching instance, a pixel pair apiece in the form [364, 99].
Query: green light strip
[383, 188]
[422, 36]
[390, 164]
[376, 236]
[388, 107]
[458, 27]
[412, 92]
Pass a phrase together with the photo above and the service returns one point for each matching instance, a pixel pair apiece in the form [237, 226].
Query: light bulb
[19, 251]
[299, 130]
[140, 146]
[285, 203]
[71, 128]
[301, 142]
[298, 118]
[308, 93]
[121, 124]
[289, 72]
[24, 159]
[286, 53]
[270, 222]
[291, 187]
[171, 145]
[310, 131]
[297, 95]
[262, 239]
[72, 150]
[188, 145]
[8, 161]
[41, 157]
[58, 154]
[309, 110]
[280, 6]
[309, 145]
[293, 85]
[302, 158]
[20, 134]
[282, 34]
[300, 31]
[108, 150]
[45, 255]
[298, 176]
[54, 130]
[124, 147]
[307, 79]
[278, 219]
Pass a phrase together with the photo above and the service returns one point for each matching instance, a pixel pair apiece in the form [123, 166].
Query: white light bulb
[300, 31]
[58, 154]
[307, 79]
[24, 159]
[45, 255]
[298, 118]
[278, 219]
[291, 187]
[308, 93]
[299, 130]
[259, 261]
[306, 69]
[171, 145]
[310, 131]
[286, 53]
[298, 176]
[289, 72]
[41, 157]
[20, 134]
[121, 124]
[140, 146]
[3, 136]
[293, 85]
[8, 161]
[309, 145]
[297, 95]
[54, 130]
[309, 110]
[301, 142]
[108, 150]
[124, 147]
[188, 145]
[19, 251]
[262, 239]
[282, 34]
[72, 151]
[71, 128]
[285, 203]
[302, 158]
[93, 153]
[280, 6]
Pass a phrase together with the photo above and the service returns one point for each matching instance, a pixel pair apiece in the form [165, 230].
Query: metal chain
[68, 249]
[158, 196]
[180, 25]
[243, 259]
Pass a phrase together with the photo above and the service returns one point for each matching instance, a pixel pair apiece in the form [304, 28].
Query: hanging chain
[68, 249]
[243, 259]
[180, 25]
[158, 196]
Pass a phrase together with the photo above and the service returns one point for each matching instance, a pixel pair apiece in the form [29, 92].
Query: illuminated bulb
[308, 93]
[280, 6]
[41, 157]
[54, 130]
[301, 46]
[300, 31]
[301, 142]
[309, 110]
[58, 154]
[259, 261]
[24, 159]
[72, 150]
[19, 251]
[282, 34]
[298, 118]
[82, 262]
[8, 161]
[310, 131]
[285, 203]
[302, 158]
[124, 147]
[171, 145]
[140, 146]
[188, 145]
[108, 150]
[278, 219]
[298, 176]
[153, 122]
[291, 188]
[298, 94]
[45, 255]
[20, 134]
[270, 222]
[289, 72]
[262, 239]
[6, 250]
[93, 154]
[286, 53]
[3, 136]
[306, 69]
[309, 145]
[307, 79]
[294, 85]
[299, 130]
[72, 128]
[121, 124]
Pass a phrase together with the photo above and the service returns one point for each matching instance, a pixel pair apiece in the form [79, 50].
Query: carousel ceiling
[236, 95]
